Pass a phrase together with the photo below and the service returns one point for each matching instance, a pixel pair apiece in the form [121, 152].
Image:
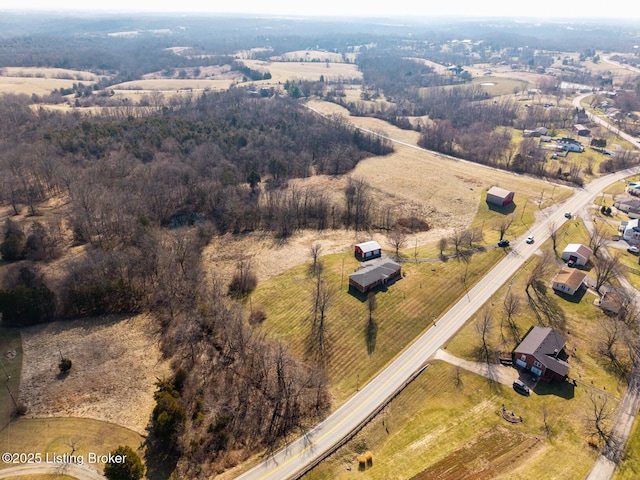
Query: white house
[632, 231]
[568, 280]
[577, 253]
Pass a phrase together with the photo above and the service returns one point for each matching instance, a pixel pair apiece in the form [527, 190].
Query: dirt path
[83, 472]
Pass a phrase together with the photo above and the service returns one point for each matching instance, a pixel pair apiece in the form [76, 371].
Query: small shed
[375, 274]
[612, 302]
[499, 196]
[577, 253]
[581, 130]
[368, 250]
[568, 280]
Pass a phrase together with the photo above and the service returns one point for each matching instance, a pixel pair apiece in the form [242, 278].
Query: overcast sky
[512, 8]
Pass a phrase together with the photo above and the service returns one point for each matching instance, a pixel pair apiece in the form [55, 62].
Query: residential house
[374, 274]
[577, 253]
[367, 250]
[499, 196]
[542, 353]
[630, 206]
[568, 280]
[612, 302]
[632, 231]
[570, 145]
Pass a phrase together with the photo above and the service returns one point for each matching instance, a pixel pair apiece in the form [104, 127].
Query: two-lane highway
[301, 455]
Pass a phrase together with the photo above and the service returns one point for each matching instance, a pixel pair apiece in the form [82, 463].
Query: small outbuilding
[374, 274]
[568, 280]
[577, 253]
[581, 130]
[542, 353]
[612, 302]
[368, 250]
[499, 196]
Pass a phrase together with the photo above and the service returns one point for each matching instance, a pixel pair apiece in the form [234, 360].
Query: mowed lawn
[404, 310]
[447, 425]
[578, 319]
[61, 435]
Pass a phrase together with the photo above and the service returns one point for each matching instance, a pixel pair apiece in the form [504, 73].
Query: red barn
[499, 196]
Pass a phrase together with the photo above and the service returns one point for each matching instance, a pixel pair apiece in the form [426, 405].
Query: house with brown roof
[568, 280]
[542, 353]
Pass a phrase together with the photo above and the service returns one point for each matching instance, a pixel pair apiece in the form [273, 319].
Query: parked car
[530, 239]
[503, 243]
[571, 263]
[521, 388]
[567, 215]
[633, 249]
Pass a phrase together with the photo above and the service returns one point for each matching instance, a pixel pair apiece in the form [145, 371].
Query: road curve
[302, 454]
[83, 472]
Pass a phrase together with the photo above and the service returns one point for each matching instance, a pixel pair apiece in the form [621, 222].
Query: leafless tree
[316, 265]
[597, 239]
[503, 225]
[538, 272]
[606, 268]
[397, 238]
[511, 308]
[552, 228]
[442, 245]
[597, 417]
[484, 327]
[458, 239]
[319, 347]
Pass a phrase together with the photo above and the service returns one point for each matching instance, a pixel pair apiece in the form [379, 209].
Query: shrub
[131, 469]
[65, 365]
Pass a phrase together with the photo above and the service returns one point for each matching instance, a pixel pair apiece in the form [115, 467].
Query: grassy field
[57, 435]
[404, 310]
[579, 320]
[11, 358]
[283, 71]
[447, 425]
[629, 466]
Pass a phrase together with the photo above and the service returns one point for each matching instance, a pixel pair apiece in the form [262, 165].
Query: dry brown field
[283, 71]
[30, 85]
[309, 55]
[116, 361]
[59, 73]
[170, 84]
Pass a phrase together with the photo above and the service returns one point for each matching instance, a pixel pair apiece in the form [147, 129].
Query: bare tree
[606, 268]
[484, 327]
[397, 239]
[316, 266]
[442, 245]
[458, 239]
[597, 418]
[319, 347]
[553, 235]
[511, 308]
[597, 239]
[540, 269]
[503, 226]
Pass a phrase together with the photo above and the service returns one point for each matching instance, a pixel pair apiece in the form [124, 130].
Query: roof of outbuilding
[369, 246]
[499, 192]
[578, 248]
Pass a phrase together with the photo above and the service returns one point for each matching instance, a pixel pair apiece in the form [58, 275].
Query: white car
[530, 239]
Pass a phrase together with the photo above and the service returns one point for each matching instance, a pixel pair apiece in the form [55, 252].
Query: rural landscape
[268, 247]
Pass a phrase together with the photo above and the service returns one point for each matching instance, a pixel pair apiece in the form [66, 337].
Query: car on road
[567, 215]
[503, 243]
[521, 388]
[530, 239]
[633, 249]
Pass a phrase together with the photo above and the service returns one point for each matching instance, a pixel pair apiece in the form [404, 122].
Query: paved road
[302, 454]
[83, 472]
[605, 124]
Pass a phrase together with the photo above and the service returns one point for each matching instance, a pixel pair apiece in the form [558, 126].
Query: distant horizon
[565, 11]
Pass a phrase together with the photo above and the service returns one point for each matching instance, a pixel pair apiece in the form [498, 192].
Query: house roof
[570, 277]
[578, 248]
[612, 300]
[544, 343]
[499, 192]
[369, 246]
[375, 272]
